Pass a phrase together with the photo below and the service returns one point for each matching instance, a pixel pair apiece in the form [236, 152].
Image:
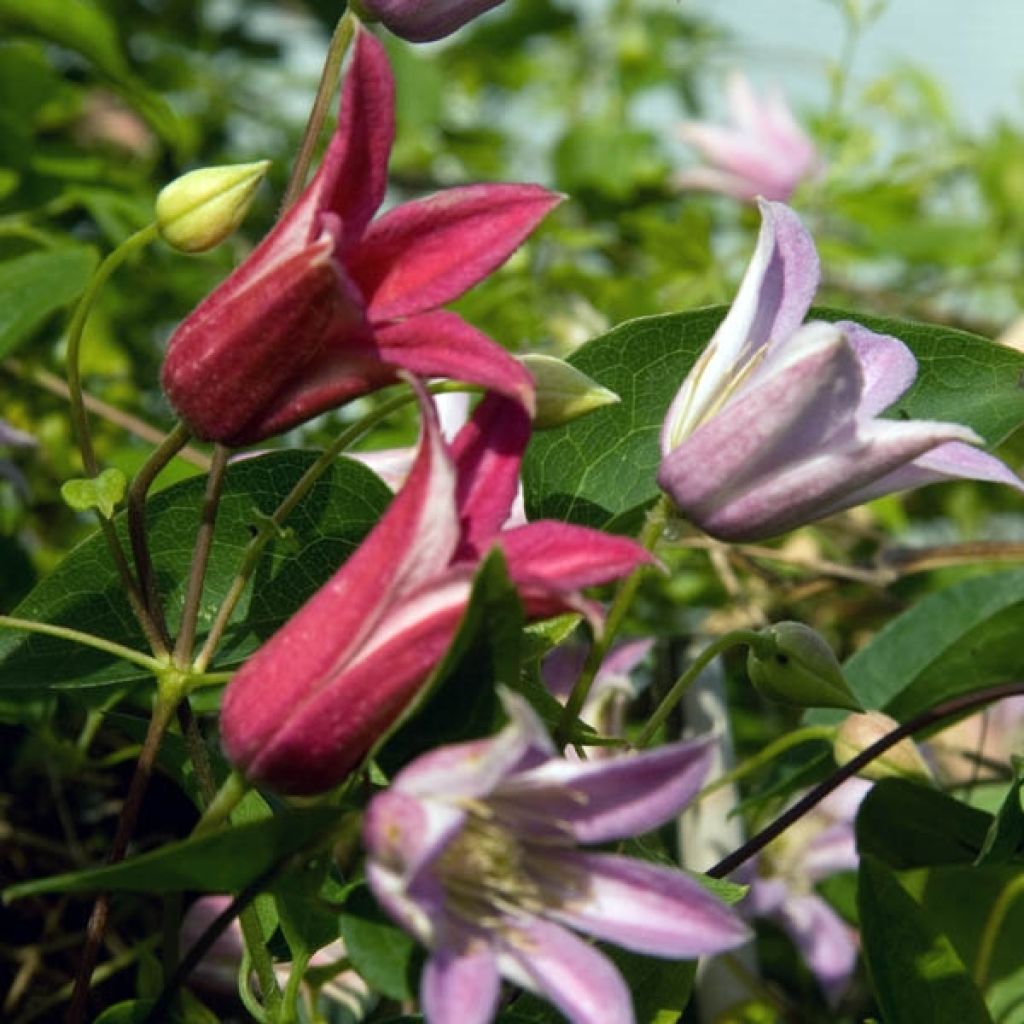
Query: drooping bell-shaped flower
[332, 304]
[421, 21]
[306, 707]
[762, 152]
[474, 850]
[778, 423]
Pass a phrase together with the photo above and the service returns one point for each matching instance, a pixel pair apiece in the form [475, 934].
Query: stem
[87, 639]
[161, 457]
[336, 49]
[237, 908]
[196, 748]
[947, 709]
[270, 526]
[97, 926]
[649, 537]
[683, 683]
[76, 329]
[1013, 890]
[226, 799]
[766, 756]
[200, 557]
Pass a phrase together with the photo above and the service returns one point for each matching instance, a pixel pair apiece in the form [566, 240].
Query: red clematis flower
[306, 708]
[333, 303]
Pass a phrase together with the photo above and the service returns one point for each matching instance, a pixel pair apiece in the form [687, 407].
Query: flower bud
[563, 392]
[793, 665]
[858, 732]
[200, 209]
[421, 21]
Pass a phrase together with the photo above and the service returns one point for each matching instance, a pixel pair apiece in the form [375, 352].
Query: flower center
[489, 873]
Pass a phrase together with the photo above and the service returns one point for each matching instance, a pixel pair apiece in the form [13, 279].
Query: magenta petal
[354, 174]
[488, 451]
[547, 959]
[444, 345]
[596, 801]
[413, 541]
[648, 908]
[568, 557]
[460, 986]
[423, 254]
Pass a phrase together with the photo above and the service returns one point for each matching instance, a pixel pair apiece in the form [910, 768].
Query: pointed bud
[200, 209]
[563, 392]
[858, 732]
[793, 665]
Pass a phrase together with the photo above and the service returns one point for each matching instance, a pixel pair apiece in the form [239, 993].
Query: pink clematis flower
[819, 845]
[764, 152]
[421, 21]
[330, 306]
[306, 708]
[473, 850]
[778, 423]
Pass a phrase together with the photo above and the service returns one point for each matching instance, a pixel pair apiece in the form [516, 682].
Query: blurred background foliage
[104, 101]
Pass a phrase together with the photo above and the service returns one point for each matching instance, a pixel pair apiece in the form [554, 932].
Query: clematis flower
[473, 850]
[821, 844]
[331, 305]
[306, 708]
[778, 422]
[421, 21]
[763, 152]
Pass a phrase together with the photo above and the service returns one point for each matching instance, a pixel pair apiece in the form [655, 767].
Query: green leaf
[388, 959]
[573, 472]
[223, 861]
[908, 825]
[137, 1011]
[1005, 838]
[957, 640]
[104, 492]
[915, 972]
[459, 702]
[84, 592]
[34, 286]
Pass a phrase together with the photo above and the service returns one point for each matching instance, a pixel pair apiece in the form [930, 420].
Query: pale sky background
[974, 47]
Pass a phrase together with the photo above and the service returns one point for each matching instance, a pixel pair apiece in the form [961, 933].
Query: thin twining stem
[1011, 892]
[161, 457]
[86, 639]
[947, 709]
[200, 557]
[649, 537]
[336, 49]
[745, 637]
[271, 526]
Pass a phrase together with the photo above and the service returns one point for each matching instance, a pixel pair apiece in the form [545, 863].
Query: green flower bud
[200, 209]
[858, 732]
[793, 665]
[563, 392]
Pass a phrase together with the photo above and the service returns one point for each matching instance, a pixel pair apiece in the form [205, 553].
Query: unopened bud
[563, 392]
[793, 665]
[200, 209]
[858, 732]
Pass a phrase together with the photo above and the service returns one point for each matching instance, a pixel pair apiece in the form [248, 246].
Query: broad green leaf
[1005, 838]
[84, 592]
[601, 469]
[223, 861]
[103, 492]
[459, 702]
[954, 641]
[137, 1011]
[388, 958]
[34, 286]
[908, 825]
[915, 972]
